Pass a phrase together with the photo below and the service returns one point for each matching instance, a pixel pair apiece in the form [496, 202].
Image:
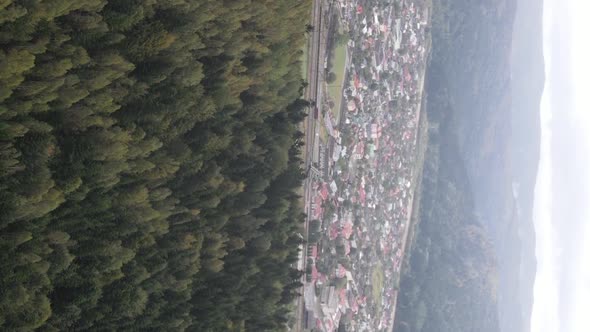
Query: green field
[377, 282]
[335, 88]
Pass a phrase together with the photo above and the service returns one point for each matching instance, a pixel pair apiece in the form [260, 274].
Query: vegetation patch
[304, 60]
[339, 71]
[377, 286]
[149, 164]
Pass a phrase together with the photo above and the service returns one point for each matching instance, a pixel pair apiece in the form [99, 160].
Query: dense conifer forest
[149, 164]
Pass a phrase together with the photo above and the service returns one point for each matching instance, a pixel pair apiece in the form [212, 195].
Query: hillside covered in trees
[463, 272]
[149, 163]
[450, 278]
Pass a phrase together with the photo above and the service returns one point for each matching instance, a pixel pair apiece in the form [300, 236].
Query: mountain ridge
[527, 82]
[489, 107]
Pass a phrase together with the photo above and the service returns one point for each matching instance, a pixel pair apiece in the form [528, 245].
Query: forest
[150, 164]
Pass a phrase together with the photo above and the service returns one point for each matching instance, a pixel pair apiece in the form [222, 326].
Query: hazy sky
[562, 194]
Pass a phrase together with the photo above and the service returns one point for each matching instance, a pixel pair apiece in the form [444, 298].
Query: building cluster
[363, 192]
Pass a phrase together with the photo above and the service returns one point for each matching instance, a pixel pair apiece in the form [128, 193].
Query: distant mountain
[484, 86]
[528, 77]
[451, 282]
[468, 107]
[495, 61]
[498, 77]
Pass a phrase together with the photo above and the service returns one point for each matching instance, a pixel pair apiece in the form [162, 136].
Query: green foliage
[314, 231]
[331, 77]
[148, 164]
[341, 38]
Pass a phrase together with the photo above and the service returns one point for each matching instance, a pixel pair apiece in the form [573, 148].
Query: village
[362, 177]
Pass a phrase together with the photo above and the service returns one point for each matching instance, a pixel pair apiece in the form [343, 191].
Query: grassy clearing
[377, 281]
[335, 88]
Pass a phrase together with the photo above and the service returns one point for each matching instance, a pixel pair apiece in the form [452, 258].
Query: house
[347, 229]
[374, 130]
[333, 187]
[324, 191]
[351, 105]
[359, 150]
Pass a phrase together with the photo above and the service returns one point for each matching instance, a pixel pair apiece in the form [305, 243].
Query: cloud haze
[562, 196]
